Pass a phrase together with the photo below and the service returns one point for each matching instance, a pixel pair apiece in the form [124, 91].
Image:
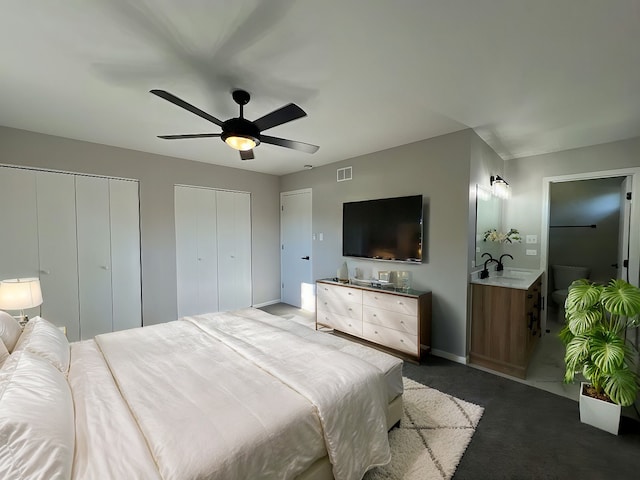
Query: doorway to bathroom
[589, 228]
[589, 221]
[587, 236]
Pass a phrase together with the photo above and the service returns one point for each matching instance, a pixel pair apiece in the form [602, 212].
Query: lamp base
[22, 320]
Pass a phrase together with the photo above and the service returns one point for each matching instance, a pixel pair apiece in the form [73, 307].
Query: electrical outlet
[313, 236]
[532, 252]
[532, 239]
[321, 235]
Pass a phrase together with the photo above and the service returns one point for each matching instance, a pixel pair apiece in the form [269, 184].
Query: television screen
[383, 229]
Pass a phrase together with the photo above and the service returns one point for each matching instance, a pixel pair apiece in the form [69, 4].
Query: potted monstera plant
[598, 321]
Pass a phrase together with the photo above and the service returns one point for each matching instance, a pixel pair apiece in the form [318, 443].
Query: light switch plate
[532, 239]
[532, 252]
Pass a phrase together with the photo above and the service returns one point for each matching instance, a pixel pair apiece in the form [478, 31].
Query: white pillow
[4, 353]
[10, 330]
[37, 433]
[45, 339]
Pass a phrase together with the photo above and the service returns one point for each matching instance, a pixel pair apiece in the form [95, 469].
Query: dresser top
[374, 286]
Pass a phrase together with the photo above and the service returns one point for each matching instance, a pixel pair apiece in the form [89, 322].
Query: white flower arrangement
[512, 236]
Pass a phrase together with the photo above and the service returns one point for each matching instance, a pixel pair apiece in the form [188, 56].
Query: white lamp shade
[20, 293]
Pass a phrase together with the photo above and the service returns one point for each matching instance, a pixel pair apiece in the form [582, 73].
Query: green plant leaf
[577, 351]
[607, 351]
[621, 298]
[621, 386]
[565, 335]
[582, 295]
[582, 321]
[593, 375]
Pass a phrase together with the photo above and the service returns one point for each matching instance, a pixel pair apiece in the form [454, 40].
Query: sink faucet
[485, 273]
[500, 266]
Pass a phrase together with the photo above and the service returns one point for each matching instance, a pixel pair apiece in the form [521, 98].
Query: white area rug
[433, 435]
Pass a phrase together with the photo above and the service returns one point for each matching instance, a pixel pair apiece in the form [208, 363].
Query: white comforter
[349, 394]
[185, 400]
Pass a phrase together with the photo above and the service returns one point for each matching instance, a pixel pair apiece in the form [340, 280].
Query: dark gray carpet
[527, 433]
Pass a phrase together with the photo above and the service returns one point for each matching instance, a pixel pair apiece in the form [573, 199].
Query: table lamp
[20, 294]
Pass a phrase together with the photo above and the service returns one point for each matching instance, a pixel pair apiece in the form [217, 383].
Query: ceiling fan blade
[278, 117]
[246, 155]
[189, 135]
[187, 106]
[283, 142]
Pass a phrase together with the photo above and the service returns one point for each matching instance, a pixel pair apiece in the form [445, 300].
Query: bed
[231, 395]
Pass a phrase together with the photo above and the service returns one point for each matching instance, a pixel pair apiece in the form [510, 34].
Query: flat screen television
[383, 229]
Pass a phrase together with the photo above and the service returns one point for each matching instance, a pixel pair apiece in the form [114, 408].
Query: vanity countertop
[520, 278]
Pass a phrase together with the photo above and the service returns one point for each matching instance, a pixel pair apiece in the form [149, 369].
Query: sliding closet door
[94, 256]
[196, 260]
[56, 207]
[234, 250]
[18, 223]
[125, 254]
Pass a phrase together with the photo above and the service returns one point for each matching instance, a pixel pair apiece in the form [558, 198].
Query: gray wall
[158, 175]
[439, 170]
[524, 209]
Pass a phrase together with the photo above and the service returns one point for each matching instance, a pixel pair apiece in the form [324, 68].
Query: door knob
[305, 258]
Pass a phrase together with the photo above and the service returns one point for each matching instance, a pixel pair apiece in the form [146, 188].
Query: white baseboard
[449, 356]
[264, 304]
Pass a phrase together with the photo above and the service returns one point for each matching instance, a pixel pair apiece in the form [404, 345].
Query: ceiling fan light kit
[239, 133]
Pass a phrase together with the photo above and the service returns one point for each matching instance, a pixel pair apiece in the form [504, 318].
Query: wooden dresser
[396, 320]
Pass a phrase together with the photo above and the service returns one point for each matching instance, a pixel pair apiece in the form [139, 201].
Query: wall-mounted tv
[383, 229]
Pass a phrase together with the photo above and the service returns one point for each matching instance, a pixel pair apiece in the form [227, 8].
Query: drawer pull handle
[399, 302]
[375, 315]
[350, 309]
[350, 325]
[402, 322]
[375, 331]
[402, 340]
[349, 293]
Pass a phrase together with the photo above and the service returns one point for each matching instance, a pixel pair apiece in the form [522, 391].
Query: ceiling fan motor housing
[240, 127]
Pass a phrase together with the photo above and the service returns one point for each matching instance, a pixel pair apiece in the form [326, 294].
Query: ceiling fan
[240, 133]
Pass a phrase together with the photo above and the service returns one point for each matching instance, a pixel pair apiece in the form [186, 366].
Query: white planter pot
[598, 413]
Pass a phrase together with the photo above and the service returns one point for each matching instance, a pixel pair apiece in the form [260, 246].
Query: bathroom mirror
[488, 217]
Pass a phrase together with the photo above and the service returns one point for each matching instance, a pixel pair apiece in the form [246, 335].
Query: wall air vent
[344, 174]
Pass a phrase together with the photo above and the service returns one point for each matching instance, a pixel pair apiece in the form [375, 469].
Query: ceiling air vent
[344, 174]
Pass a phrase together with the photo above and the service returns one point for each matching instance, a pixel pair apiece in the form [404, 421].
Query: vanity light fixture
[499, 187]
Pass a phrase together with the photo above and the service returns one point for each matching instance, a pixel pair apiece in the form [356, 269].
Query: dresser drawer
[394, 303]
[337, 305]
[339, 293]
[402, 341]
[340, 322]
[389, 319]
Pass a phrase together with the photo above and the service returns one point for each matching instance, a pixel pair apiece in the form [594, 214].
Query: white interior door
[94, 256]
[196, 257]
[295, 239]
[58, 250]
[206, 249]
[125, 254]
[234, 249]
[19, 223]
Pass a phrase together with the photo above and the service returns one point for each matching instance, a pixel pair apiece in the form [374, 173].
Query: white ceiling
[529, 76]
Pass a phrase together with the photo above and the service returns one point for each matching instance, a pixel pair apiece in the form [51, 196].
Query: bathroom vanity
[505, 320]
